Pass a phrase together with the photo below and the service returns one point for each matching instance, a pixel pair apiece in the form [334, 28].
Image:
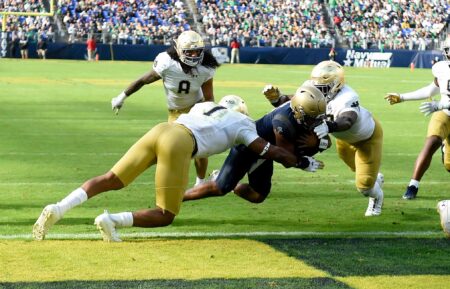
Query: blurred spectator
[332, 54]
[235, 46]
[23, 43]
[91, 46]
[42, 47]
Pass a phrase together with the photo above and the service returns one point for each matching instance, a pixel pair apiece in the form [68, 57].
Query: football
[308, 144]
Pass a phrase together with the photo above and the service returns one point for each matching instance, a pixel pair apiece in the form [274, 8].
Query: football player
[287, 127]
[187, 72]
[359, 136]
[207, 129]
[439, 126]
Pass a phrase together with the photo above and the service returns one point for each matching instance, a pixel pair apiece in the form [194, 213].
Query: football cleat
[443, 208]
[375, 206]
[213, 175]
[107, 227]
[49, 216]
[411, 193]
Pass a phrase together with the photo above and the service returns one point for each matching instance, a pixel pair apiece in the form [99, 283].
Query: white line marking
[228, 235]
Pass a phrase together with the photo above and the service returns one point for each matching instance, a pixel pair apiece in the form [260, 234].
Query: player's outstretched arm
[422, 93]
[273, 94]
[429, 107]
[118, 101]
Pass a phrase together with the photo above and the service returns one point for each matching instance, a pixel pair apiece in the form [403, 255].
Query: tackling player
[187, 72]
[285, 126]
[439, 126]
[359, 136]
[206, 130]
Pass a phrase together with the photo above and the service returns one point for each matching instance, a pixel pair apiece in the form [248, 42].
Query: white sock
[124, 219]
[75, 198]
[199, 181]
[414, 183]
[374, 192]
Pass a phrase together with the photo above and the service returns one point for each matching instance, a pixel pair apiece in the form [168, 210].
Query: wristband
[122, 95]
[323, 143]
[265, 149]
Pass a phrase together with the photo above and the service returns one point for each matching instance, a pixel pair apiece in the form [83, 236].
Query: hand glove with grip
[117, 102]
[310, 164]
[429, 107]
[393, 98]
[272, 93]
[322, 130]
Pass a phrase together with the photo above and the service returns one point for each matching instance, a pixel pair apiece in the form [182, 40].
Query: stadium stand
[395, 24]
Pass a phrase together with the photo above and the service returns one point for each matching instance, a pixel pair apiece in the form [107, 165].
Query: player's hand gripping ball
[308, 144]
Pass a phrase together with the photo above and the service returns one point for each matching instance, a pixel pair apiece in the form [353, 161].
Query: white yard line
[226, 235]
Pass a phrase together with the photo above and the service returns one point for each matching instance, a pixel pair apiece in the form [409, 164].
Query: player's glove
[393, 98]
[310, 164]
[272, 93]
[322, 130]
[117, 102]
[429, 107]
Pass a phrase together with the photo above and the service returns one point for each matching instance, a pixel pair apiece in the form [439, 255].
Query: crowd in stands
[393, 24]
[26, 28]
[275, 23]
[124, 22]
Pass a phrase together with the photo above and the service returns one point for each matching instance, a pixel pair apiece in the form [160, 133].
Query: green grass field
[57, 130]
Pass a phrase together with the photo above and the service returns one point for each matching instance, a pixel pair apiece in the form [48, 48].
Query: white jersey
[348, 100]
[217, 129]
[441, 70]
[182, 90]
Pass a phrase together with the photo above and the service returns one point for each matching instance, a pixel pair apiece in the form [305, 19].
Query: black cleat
[411, 192]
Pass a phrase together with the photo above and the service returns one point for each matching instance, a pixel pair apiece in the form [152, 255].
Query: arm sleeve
[422, 93]
[247, 133]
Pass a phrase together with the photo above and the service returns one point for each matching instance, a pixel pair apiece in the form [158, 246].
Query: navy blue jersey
[241, 160]
[282, 120]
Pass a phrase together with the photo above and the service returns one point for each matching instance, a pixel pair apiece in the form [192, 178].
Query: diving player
[285, 127]
[207, 129]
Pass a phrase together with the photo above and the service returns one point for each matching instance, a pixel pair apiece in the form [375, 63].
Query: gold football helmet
[235, 103]
[308, 102]
[190, 48]
[446, 49]
[328, 77]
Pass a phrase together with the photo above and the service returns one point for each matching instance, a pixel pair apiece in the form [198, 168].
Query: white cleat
[443, 208]
[376, 204]
[213, 175]
[107, 227]
[380, 180]
[49, 216]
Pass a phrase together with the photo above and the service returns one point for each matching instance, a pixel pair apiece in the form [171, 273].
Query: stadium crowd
[390, 24]
[395, 24]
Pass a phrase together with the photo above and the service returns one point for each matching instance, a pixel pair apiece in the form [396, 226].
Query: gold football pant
[439, 125]
[170, 147]
[363, 158]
